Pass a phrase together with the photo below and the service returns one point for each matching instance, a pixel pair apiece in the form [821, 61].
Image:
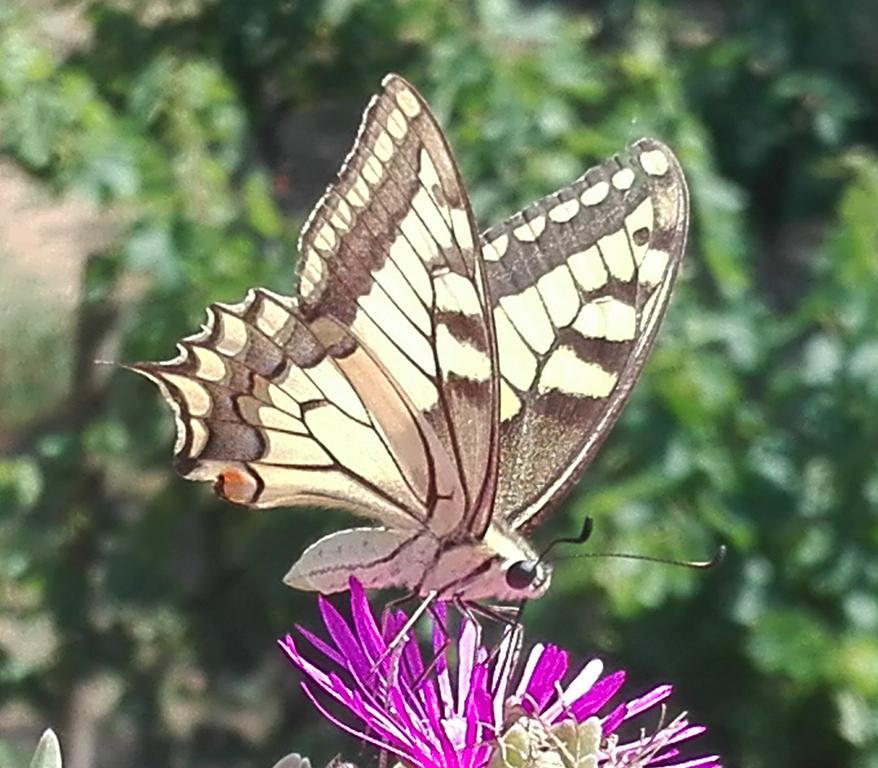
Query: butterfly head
[517, 573]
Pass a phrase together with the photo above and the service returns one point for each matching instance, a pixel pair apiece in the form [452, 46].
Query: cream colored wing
[276, 411]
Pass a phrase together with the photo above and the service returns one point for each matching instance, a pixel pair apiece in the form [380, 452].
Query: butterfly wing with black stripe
[580, 281]
[390, 252]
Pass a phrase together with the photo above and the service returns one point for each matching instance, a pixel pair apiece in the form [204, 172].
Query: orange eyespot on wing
[236, 486]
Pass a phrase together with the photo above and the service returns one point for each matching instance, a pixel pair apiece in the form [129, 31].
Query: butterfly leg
[404, 630]
[400, 601]
[507, 615]
[439, 651]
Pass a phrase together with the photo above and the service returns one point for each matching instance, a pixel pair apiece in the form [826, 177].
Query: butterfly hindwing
[580, 281]
[275, 414]
[391, 253]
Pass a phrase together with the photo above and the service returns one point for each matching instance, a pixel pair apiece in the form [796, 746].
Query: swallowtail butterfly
[449, 386]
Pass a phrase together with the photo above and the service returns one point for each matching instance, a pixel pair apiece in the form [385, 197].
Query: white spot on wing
[196, 396]
[209, 365]
[418, 236]
[559, 295]
[455, 293]
[623, 179]
[517, 362]
[358, 193]
[231, 335]
[435, 225]
[617, 255]
[462, 231]
[271, 318]
[595, 194]
[372, 170]
[566, 372]
[494, 250]
[654, 266]
[510, 402]
[563, 212]
[324, 237]
[607, 318]
[527, 313]
[654, 162]
[341, 217]
[396, 124]
[642, 217]
[408, 102]
[456, 356]
[588, 268]
[530, 230]
[199, 433]
[383, 146]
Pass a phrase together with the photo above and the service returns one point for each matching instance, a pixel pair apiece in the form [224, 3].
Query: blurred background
[158, 155]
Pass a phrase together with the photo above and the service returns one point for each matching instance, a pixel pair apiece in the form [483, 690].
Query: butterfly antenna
[584, 535]
[701, 565]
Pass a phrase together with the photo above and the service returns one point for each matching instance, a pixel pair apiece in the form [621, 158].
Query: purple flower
[470, 702]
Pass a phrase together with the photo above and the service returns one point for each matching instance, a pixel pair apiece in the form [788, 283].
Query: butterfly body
[471, 569]
[449, 386]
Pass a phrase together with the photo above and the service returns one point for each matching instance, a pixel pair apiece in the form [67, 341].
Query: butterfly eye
[522, 574]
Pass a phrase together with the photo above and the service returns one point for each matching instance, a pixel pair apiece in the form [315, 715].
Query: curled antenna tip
[718, 558]
[704, 565]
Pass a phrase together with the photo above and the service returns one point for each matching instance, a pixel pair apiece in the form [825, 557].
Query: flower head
[469, 706]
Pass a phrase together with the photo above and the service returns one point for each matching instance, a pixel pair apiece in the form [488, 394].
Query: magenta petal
[601, 692]
[478, 743]
[649, 700]
[686, 733]
[612, 721]
[344, 639]
[392, 623]
[413, 662]
[324, 648]
[423, 739]
[548, 671]
[364, 622]
[423, 687]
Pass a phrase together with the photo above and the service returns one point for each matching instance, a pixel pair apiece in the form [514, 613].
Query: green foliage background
[137, 612]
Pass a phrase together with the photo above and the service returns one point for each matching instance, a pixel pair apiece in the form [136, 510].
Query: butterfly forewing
[579, 281]
[390, 252]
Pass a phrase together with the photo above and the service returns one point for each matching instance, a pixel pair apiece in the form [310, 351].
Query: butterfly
[449, 386]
